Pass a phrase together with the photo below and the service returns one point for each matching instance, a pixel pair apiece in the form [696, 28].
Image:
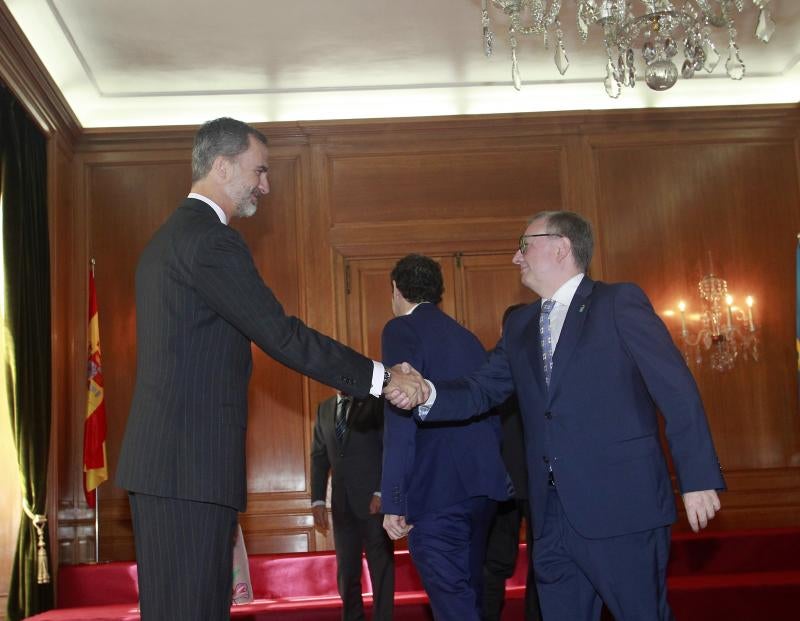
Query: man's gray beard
[245, 209]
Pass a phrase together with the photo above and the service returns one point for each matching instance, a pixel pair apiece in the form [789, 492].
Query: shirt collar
[217, 209]
[413, 308]
[566, 292]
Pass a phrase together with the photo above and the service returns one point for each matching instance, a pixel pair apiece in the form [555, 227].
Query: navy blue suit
[596, 424]
[443, 478]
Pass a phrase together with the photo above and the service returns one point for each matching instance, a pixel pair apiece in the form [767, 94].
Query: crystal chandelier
[656, 30]
[726, 332]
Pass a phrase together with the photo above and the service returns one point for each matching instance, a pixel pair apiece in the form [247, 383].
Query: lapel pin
[580, 310]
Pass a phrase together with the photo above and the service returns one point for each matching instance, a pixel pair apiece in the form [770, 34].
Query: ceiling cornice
[25, 75]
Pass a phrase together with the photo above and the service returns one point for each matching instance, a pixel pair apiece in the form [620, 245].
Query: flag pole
[97, 524]
[96, 493]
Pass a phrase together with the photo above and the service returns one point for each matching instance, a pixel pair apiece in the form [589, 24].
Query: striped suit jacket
[200, 302]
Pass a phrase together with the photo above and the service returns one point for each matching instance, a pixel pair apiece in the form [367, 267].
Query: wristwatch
[387, 377]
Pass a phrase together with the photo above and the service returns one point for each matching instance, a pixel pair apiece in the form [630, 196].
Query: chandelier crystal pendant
[726, 332]
[656, 29]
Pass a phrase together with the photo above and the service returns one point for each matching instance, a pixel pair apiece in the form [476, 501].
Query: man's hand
[701, 507]
[320, 514]
[395, 526]
[375, 505]
[407, 388]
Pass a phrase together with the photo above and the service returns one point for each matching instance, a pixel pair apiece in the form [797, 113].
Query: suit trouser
[575, 575]
[351, 534]
[184, 558]
[448, 547]
[502, 549]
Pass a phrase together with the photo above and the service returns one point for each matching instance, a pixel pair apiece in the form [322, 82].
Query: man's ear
[563, 249]
[221, 168]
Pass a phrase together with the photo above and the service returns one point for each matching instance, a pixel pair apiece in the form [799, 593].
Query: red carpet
[735, 576]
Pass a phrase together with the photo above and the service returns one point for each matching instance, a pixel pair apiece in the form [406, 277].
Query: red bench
[713, 576]
[285, 587]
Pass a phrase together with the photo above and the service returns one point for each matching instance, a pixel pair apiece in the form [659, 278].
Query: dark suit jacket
[513, 445]
[596, 425]
[431, 466]
[355, 466]
[200, 302]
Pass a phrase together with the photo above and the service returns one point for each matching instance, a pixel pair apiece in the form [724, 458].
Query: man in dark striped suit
[200, 302]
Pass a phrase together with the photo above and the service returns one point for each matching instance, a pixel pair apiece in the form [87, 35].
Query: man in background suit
[440, 482]
[348, 442]
[200, 302]
[502, 546]
[591, 363]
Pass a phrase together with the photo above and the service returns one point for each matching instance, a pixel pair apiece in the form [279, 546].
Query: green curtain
[26, 257]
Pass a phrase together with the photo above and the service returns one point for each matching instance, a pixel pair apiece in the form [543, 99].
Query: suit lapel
[329, 423]
[351, 417]
[533, 341]
[571, 330]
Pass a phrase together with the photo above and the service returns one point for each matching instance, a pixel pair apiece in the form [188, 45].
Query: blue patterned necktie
[546, 339]
[341, 418]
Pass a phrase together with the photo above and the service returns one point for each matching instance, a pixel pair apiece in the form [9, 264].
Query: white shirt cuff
[318, 503]
[377, 379]
[424, 408]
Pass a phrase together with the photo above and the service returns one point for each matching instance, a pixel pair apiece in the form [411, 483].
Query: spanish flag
[95, 463]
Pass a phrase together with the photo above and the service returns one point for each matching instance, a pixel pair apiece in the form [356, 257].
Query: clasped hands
[407, 388]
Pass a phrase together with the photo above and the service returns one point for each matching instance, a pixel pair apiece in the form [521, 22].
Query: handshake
[407, 388]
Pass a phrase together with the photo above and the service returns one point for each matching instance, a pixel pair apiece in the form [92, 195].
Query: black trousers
[184, 557]
[351, 535]
[502, 549]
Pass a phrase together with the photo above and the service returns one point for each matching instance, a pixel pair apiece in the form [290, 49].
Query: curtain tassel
[39, 523]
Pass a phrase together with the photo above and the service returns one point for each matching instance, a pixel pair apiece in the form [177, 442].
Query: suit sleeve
[378, 408]
[470, 396]
[320, 464]
[672, 387]
[227, 279]
[399, 343]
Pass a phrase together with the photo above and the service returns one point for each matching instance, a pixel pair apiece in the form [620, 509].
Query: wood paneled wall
[663, 188]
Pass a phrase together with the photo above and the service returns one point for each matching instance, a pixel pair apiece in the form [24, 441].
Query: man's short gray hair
[576, 229]
[224, 136]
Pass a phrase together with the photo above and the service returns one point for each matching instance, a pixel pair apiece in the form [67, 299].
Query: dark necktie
[341, 418]
[546, 339]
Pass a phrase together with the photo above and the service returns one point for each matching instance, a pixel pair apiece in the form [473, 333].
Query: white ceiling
[174, 62]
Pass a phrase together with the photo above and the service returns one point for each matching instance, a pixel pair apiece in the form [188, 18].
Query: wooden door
[488, 285]
[477, 290]
[368, 303]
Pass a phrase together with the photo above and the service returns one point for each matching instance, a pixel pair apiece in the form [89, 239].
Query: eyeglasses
[523, 239]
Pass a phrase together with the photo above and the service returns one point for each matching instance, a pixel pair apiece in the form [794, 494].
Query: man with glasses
[591, 363]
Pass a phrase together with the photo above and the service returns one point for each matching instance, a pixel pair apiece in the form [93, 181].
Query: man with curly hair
[441, 482]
